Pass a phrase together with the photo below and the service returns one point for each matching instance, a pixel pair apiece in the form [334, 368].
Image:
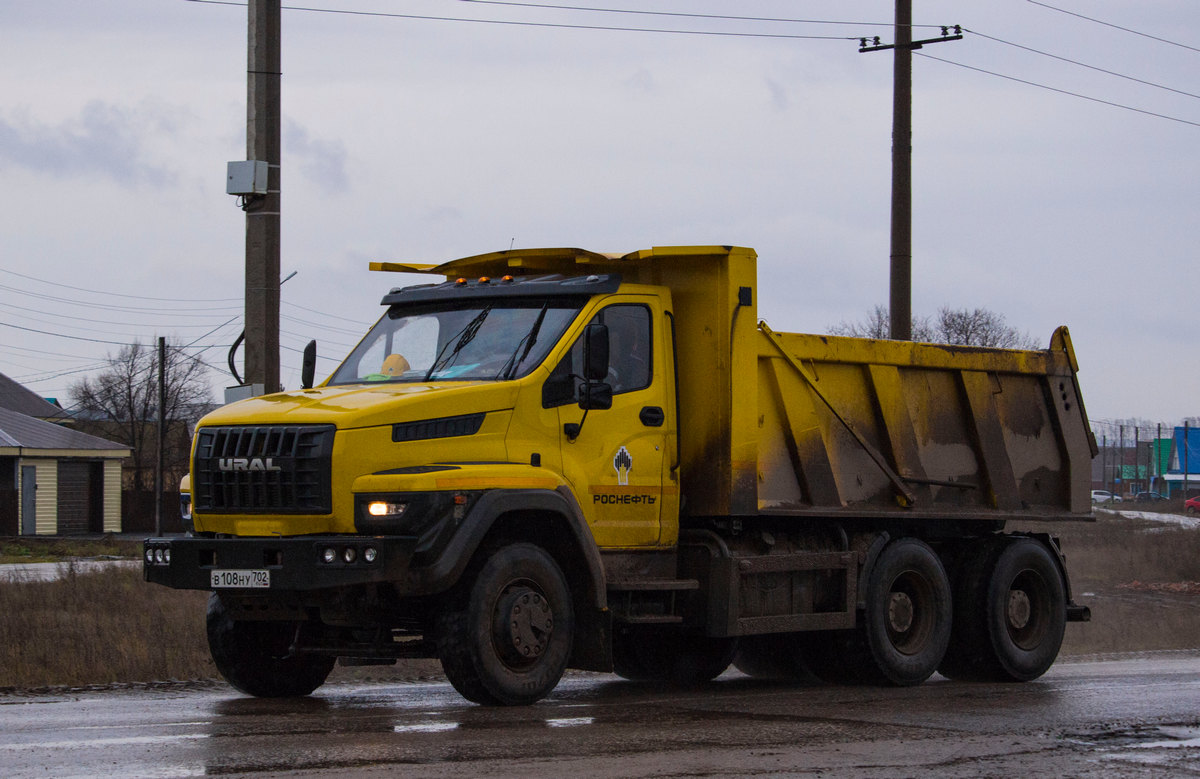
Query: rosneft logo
[247, 464]
[623, 464]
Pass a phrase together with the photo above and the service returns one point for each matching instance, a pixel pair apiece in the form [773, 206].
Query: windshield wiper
[465, 336]
[514, 364]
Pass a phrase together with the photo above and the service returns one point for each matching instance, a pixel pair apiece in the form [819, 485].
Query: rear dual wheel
[908, 615]
[1010, 613]
[905, 627]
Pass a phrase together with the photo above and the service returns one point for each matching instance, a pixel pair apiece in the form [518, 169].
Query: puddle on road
[1177, 737]
[426, 727]
[1146, 744]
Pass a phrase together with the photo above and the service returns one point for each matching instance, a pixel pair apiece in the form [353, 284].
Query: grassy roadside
[100, 628]
[51, 549]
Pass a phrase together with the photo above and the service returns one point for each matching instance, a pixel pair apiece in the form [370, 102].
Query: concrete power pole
[900, 303]
[263, 122]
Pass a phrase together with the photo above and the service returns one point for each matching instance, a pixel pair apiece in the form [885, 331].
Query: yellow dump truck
[555, 458]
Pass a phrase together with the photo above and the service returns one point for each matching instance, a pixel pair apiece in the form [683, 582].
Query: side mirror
[308, 368]
[597, 395]
[595, 353]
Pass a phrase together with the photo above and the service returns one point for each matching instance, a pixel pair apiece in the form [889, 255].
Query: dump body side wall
[852, 425]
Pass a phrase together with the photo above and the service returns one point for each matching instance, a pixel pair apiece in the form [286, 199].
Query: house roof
[26, 432]
[1186, 451]
[14, 397]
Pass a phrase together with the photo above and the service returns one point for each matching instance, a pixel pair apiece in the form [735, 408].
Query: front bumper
[292, 564]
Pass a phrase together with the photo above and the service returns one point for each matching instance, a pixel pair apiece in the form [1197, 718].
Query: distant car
[1192, 505]
[1147, 497]
[1104, 496]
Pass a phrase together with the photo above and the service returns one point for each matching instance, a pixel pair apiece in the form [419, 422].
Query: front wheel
[509, 642]
[257, 658]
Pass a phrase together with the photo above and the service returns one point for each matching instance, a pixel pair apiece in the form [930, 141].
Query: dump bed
[863, 426]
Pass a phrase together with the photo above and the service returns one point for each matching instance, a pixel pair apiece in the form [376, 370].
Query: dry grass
[100, 628]
[42, 549]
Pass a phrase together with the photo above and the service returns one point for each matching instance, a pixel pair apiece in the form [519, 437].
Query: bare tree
[979, 327]
[123, 401]
[878, 324]
[960, 326]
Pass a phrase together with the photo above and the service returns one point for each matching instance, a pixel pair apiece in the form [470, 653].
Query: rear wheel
[257, 657]
[1010, 614]
[510, 641]
[906, 626]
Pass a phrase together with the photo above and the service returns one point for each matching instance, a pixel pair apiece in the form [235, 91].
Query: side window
[630, 358]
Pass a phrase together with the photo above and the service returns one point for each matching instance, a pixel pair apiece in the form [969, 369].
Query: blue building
[1182, 476]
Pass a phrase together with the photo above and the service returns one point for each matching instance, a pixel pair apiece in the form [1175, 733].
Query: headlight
[408, 513]
[384, 509]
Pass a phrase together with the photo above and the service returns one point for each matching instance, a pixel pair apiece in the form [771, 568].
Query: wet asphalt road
[1134, 716]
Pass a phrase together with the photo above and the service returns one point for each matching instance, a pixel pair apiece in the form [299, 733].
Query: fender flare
[450, 564]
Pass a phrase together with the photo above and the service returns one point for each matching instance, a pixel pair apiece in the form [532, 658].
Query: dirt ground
[1138, 571]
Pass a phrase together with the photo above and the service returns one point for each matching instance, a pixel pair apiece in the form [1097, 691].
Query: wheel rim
[910, 616]
[1027, 610]
[522, 624]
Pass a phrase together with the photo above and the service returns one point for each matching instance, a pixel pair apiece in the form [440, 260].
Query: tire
[906, 627]
[1011, 614]
[969, 582]
[256, 658]
[648, 654]
[775, 656]
[510, 641]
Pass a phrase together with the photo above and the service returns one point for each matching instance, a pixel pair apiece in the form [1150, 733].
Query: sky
[1056, 178]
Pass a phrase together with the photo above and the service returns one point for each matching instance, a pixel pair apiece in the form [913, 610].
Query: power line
[683, 15]
[1082, 64]
[119, 294]
[1114, 26]
[58, 316]
[544, 25]
[1061, 91]
[107, 307]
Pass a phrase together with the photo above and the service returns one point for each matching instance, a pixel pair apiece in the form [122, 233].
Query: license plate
[240, 579]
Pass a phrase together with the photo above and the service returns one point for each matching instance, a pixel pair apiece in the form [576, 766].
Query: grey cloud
[104, 139]
[322, 161]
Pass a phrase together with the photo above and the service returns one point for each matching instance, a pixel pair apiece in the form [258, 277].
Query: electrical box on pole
[247, 177]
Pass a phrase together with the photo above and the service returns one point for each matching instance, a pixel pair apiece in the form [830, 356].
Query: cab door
[621, 461]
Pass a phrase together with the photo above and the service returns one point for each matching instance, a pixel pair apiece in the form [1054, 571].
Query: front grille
[281, 469]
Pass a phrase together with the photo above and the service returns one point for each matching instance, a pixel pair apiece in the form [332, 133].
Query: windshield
[479, 339]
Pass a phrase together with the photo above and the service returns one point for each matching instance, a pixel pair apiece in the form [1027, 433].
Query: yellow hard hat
[394, 365]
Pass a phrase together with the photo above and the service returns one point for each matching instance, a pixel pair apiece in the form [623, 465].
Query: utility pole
[160, 435]
[263, 101]
[900, 304]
